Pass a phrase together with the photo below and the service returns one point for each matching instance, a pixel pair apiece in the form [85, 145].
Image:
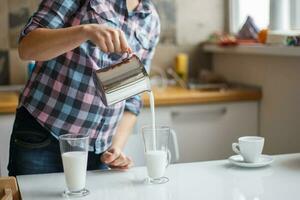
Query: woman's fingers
[123, 43]
[124, 167]
[116, 159]
[109, 39]
[102, 45]
[110, 155]
[120, 161]
[116, 41]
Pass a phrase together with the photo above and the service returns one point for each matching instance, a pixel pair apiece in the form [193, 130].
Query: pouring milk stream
[152, 108]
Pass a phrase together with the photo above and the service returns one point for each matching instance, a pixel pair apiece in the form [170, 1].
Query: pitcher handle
[175, 143]
[169, 157]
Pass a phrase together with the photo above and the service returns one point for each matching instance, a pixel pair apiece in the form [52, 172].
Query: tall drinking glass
[74, 152]
[157, 153]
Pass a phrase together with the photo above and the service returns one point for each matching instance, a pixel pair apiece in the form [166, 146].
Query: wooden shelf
[179, 96]
[254, 49]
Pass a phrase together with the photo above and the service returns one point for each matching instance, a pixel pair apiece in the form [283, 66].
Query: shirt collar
[142, 10]
[143, 7]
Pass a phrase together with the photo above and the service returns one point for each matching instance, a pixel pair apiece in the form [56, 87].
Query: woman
[70, 39]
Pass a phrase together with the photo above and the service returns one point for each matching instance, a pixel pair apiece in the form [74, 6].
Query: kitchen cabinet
[6, 125]
[205, 131]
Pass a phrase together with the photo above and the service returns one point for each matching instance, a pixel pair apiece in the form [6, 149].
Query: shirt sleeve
[134, 104]
[51, 14]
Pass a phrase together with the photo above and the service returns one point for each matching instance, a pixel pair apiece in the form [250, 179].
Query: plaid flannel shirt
[61, 93]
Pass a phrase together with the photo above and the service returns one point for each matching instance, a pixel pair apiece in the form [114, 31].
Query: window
[295, 14]
[283, 15]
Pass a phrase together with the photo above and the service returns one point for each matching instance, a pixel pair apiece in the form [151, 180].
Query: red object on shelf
[227, 40]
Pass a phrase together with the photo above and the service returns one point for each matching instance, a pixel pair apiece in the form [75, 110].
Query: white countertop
[202, 180]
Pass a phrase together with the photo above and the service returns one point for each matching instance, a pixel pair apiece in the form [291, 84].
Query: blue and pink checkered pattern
[61, 93]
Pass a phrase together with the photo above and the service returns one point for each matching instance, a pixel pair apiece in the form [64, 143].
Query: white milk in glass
[156, 163]
[156, 160]
[75, 164]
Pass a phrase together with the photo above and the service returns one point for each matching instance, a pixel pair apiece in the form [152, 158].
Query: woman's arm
[44, 44]
[114, 156]
[124, 129]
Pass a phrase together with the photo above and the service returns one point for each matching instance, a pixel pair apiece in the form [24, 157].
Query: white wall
[279, 78]
[196, 20]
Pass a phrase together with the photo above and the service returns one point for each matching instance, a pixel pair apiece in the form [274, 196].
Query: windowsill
[254, 49]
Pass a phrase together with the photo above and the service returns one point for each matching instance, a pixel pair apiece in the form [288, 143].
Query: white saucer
[239, 161]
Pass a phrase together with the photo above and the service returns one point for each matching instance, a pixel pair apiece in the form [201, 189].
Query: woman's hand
[116, 159]
[108, 39]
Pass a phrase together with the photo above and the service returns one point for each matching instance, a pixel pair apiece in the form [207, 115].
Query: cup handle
[169, 156]
[236, 148]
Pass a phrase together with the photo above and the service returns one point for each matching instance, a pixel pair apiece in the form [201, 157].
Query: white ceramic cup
[249, 147]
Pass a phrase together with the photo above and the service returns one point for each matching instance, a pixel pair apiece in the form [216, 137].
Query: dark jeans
[33, 150]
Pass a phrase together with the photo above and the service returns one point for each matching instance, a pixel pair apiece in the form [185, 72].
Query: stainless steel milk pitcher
[123, 80]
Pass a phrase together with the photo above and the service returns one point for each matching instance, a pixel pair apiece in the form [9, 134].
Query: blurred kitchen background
[182, 31]
[227, 68]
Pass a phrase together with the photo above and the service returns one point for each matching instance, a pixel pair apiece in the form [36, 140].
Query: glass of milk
[157, 153]
[74, 152]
